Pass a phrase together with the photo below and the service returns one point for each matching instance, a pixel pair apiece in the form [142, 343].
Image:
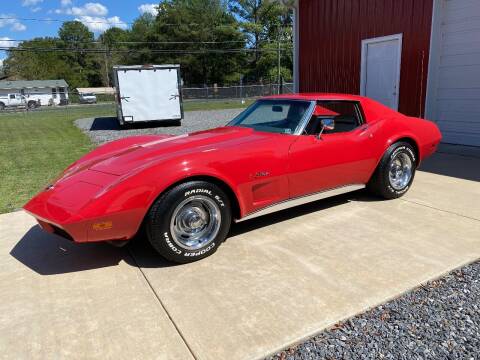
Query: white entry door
[380, 69]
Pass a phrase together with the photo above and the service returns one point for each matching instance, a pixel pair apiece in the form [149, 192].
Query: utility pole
[107, 76]
[279, 58]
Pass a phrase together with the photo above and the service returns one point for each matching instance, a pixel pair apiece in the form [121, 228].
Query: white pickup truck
[12, 100]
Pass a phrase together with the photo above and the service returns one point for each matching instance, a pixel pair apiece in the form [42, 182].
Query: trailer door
[149, 94]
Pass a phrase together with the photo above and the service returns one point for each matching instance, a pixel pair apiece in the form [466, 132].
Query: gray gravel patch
[439, 320]
[104, 129]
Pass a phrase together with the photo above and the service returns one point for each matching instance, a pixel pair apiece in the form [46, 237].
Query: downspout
[296, 45]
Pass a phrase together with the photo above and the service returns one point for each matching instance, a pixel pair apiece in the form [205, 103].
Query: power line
[64, 20]
[155, 51]
[106, 22]
[141, 42]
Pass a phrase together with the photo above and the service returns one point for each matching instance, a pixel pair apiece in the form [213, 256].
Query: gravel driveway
[104, 129]
[440, 320]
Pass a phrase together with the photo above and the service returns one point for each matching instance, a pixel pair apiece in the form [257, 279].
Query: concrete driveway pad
[60, 300]
[276, 280]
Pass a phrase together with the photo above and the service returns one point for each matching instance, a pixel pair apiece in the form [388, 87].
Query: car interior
[346, 115]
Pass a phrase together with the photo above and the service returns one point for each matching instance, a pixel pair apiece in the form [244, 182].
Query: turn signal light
[105, 225]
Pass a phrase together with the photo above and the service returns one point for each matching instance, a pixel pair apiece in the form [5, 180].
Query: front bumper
[75, 210]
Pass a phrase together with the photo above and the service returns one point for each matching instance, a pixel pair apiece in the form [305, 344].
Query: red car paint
[106, 194]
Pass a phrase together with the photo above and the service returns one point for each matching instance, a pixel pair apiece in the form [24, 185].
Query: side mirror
[327, 124]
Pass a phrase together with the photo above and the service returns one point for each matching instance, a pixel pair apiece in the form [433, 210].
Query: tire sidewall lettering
[201, 251]
[406, 149]
[203, 191]
[171, 245]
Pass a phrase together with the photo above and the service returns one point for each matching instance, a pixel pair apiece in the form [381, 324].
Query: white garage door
[453, 98]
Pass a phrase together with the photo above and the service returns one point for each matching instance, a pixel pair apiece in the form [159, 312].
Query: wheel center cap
[195, 221]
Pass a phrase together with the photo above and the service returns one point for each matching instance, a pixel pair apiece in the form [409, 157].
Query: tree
[211, 39]
[77, 42]
[30, 64]
[265, 22]
[198, 27]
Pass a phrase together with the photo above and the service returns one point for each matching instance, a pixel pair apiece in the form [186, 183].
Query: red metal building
[421, 57]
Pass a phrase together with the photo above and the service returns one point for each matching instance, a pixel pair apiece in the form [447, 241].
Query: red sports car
[280, 152]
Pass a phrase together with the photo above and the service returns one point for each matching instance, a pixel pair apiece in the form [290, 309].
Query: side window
[12, 96]
[347, 115]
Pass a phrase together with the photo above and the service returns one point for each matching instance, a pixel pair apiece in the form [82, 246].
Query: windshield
[278, 116]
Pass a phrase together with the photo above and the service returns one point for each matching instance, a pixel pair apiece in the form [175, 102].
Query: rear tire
[395, 172]
[2, 106]
[189, 222]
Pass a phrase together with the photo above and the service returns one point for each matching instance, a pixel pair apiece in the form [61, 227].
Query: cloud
[12, 23]
[92, 15]
[36, 9]
[89, 9]
[17, 26]
[6, 42]
[27, 3]
[100, 24]
[148, 8]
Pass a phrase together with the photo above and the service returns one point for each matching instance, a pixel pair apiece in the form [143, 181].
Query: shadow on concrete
[457, 161]
[288, 214]
[111, 123]
[49, 254]
[146, 257]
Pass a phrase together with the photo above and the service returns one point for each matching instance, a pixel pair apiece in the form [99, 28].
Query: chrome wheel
[195, 222]
[400, 172]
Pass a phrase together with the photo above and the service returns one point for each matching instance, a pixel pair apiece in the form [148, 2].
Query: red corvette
[280, 152]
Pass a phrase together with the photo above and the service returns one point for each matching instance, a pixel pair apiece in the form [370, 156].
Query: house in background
[420, 57]
[44, 92]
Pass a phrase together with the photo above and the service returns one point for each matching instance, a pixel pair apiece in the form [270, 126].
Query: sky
[96, 15]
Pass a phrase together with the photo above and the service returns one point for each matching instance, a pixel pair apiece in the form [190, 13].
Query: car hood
[130, 155]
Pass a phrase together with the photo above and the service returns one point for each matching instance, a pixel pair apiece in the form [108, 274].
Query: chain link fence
[235, 92]
[106, 97]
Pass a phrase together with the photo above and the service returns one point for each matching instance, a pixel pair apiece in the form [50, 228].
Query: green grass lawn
[214, 105]
[36, 146]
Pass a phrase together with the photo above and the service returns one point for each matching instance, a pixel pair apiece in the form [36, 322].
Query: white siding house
[47, 92]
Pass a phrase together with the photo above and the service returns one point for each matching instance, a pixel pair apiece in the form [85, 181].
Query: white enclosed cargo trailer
[148, 93]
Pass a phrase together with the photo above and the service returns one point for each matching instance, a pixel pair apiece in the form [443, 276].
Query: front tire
[395, 172]
[189, 222]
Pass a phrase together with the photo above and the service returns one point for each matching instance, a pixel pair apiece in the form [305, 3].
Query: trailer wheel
[32, 105]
